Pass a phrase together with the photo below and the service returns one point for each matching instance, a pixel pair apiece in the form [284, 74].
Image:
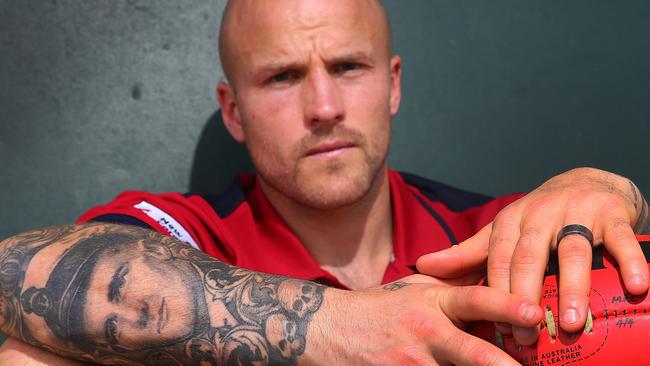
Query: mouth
[163, 316]
[330, 149]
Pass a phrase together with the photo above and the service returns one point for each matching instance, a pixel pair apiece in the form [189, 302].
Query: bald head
[247, 24]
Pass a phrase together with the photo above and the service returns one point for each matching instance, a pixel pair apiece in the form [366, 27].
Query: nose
[136, 315]
[323, 101]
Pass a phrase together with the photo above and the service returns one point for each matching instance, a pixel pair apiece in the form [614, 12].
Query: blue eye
[284, 77]
[279, 78]
[347, 67]
[110, 330]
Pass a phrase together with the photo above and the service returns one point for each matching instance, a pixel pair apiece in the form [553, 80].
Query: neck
[354, 242]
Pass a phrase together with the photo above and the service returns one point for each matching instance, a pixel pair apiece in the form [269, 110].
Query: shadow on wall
[217, 158]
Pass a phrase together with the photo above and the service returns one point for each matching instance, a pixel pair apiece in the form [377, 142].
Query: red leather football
[618, 333]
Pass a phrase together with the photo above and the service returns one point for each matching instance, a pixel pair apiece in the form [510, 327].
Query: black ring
[576, 229]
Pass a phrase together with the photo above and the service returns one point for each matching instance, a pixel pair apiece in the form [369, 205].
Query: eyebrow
[276, 66]
[117, 281]
[357, 56]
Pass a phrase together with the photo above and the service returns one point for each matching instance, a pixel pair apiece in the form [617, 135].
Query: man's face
[132, 311]
[314, 90]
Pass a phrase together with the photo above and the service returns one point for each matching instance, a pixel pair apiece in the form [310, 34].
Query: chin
[328, 201]
[334, 191]
[326, 185]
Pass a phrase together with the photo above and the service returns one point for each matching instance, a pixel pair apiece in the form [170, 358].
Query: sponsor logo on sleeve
[170, 224]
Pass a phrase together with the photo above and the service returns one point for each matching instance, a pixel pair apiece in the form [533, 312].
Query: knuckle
[424, 327]
[500, 240]
[504, 215]
[476, 296]
[620, 229]
[432, 294]
[482, 355]
[476, 351]
[542, 204]
[574, 249]
[455, 342]
[499, 266]
[507, 217]
[410, 356]
[530, 235]
[525, 257]
[573, 290]
[620, 223]
[623, 240]
[611, 199]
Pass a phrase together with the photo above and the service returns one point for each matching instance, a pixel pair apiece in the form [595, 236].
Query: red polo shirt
[241, 227]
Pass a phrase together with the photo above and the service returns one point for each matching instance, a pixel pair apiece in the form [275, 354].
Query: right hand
[415, 321]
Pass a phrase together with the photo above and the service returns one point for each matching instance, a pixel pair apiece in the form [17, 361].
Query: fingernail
[570, 316]
[636, 280]
[528, 312]
[523, 333]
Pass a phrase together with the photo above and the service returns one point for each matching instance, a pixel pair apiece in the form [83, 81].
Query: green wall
[500, 95]
[101, 96]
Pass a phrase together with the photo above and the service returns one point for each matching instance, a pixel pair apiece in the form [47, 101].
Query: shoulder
[225, 203]
[454, 198]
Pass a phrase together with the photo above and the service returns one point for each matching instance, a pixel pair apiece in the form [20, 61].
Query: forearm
[119, 294]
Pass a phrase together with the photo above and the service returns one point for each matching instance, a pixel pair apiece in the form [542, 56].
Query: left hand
[516, 245]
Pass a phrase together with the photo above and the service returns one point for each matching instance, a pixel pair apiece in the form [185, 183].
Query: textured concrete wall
[499, 95]
[99, 96]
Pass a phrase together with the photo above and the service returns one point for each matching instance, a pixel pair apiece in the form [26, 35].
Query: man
[312, 87]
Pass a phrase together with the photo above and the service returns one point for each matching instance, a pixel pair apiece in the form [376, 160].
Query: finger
[469, 279]
[574, 257]
[621, 243]
[458, 260]
[470, 303]
[460, 348]
[528, 265]
[503, 239]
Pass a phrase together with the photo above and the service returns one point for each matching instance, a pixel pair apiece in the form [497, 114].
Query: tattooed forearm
[124, 295]
[642, 225]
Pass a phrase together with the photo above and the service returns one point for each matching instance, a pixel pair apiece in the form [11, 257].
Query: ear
[395, 84]
[230, 111]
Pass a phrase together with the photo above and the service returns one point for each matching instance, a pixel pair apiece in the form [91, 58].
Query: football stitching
[605, 315]
[602, 344]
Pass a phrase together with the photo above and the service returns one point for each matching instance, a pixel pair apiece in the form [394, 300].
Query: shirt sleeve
[188, 219]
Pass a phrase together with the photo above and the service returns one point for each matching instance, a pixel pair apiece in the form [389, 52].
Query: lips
[163, 315]
[328, 147]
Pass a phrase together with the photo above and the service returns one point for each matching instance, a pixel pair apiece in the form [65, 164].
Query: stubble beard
[330, 184]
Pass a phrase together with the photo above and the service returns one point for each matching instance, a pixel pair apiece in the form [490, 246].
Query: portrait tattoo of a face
[131, 296]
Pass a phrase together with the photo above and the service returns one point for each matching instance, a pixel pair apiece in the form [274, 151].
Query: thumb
[471, 278]
[460, 259]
